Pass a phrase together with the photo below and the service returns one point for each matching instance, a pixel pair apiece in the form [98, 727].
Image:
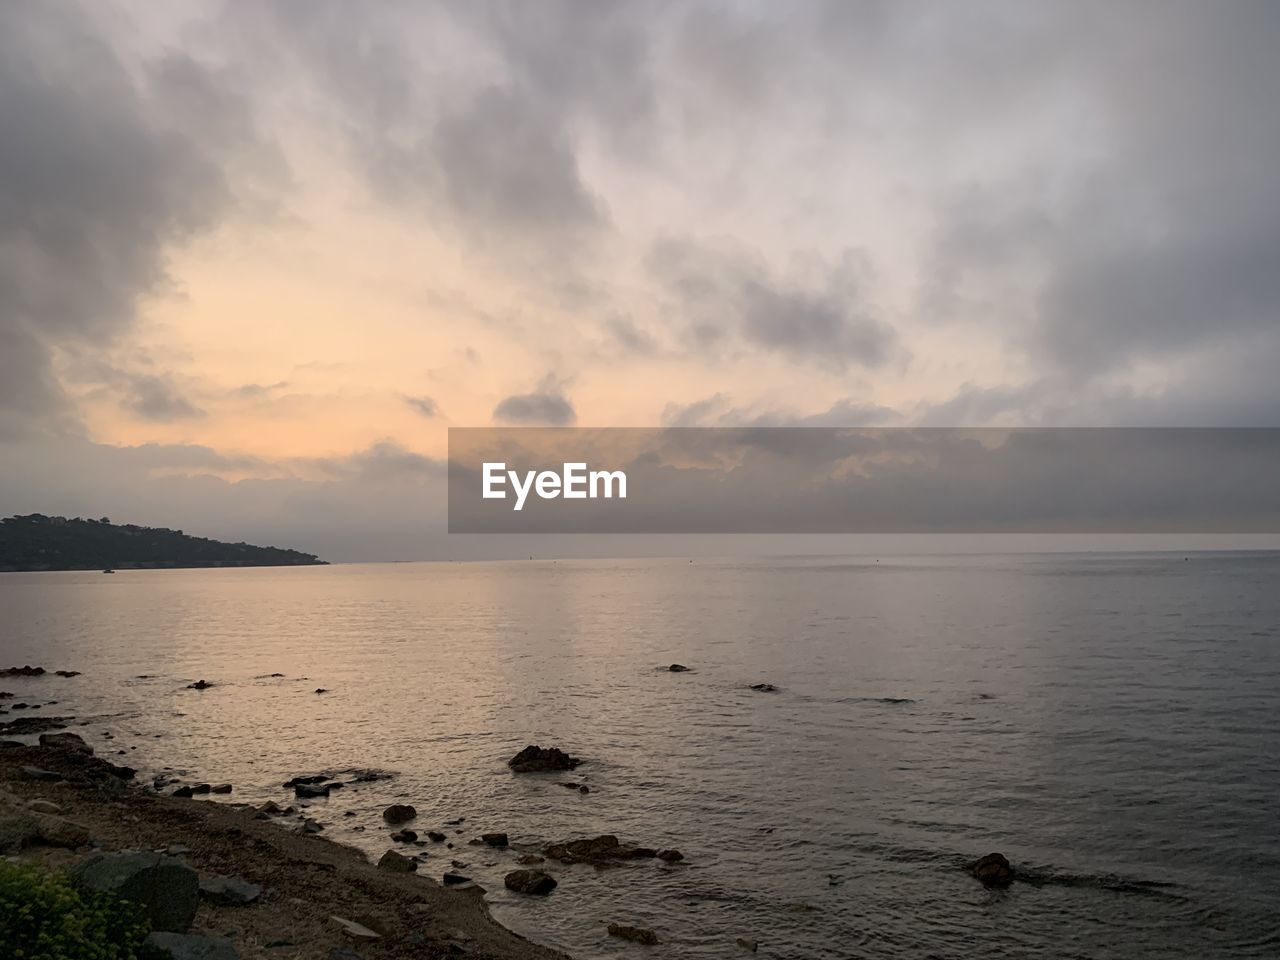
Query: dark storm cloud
[102, 168]
[729, 299]
[1166, 246]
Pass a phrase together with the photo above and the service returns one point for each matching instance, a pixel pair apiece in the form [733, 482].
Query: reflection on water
[1109, 722]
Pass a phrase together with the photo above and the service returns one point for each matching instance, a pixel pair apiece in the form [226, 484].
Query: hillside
[37, 542]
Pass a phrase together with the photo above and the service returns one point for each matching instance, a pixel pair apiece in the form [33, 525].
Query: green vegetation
[44, 917]
[37, 542]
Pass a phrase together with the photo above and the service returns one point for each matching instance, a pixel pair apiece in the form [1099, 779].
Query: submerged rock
[599, 851]
[641, 935]
[532, 882]
[311, 791]
[167, 889]
[199, 685]
[403, 836]
[399, 813]
[435, 836]
[27, 671]
[993, 870]
[533, 759]
[750, 946]
[670, 856]
[678, 668]
[764, 688]
[494, 839]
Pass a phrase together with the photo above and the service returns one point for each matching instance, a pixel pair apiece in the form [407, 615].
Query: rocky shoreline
[264, 891]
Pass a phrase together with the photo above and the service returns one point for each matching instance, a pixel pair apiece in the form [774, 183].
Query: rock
[167, 889]
[397, 863]
[199, 685]
[993, 870]
[312, 826]
[65, 741]
[764, 688]
[600, 851]
[269, 809]
[28, 725]
[44, 806]
[670, 856]
[404, 836]
[21, 828]
[584, 789]
[678, 668]
[749, 945]
[533, 882]
[183, 792]
[356, 931]
[321, 690]
[435, 836]
[311, 791]
[27, 671]
[341, 953]
[494, 839]
[399, 813]
[202, 788]
[35, 773]
[533, 759]
[66, 673]
[529, 859]
[452, 879]
[313, 778]
[229, 891]
[634, 934]
[181, 946]
[221, 788]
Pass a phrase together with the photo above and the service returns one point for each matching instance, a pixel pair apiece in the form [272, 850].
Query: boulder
[399, 813]
[179, 946]
[65, 741]
[404, 836]
[640, 935]
[678, 668]
[533, 759]
[993, 870]
[20, 828]
[221, 788]
[229, 891]
[494, 839]
[311, 791]
[435, 836]
[167, 889]
[397, 863]
[533, 882]
[670, 856]
[452, 879]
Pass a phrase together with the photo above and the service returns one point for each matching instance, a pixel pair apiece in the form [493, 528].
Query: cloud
[727, 299]
[546, 406]
[425, 406]
[156, 399]
[105, 168]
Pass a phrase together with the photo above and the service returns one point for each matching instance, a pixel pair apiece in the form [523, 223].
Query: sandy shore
[306, 879]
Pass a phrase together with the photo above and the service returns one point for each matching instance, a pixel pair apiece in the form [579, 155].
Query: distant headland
[38, 542]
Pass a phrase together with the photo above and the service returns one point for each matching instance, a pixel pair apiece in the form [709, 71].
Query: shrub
[44, 917]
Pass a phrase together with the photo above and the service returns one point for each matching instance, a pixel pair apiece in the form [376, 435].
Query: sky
[257, 258]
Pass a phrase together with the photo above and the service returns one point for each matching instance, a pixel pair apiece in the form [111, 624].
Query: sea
[1109, 722]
